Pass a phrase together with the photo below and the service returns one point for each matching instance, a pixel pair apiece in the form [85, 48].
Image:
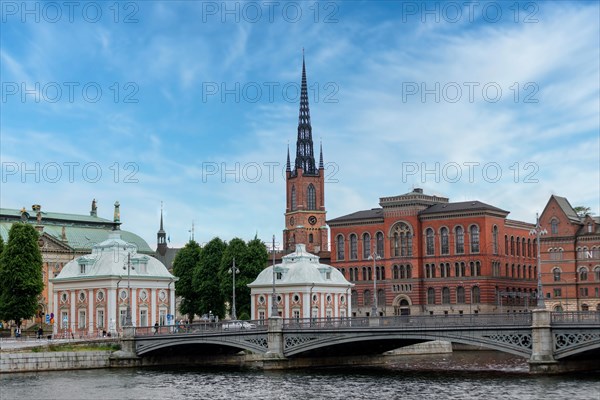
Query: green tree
[256, 260]
[184, 267]
[1, 245]
[583, 211]
[21, 280]
[237, 249]
[207, 278]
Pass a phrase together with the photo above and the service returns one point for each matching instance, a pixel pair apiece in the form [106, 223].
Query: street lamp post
[129, 267]
[374, 256]
[274, 312]
[233, 271]
[538, 231]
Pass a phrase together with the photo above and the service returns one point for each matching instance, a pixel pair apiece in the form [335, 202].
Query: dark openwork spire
[288, 166]
[321, 165]
[161, 218]
[305, 158]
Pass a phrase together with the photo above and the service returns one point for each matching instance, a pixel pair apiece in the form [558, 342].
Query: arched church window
[293, 195]
[311, 197]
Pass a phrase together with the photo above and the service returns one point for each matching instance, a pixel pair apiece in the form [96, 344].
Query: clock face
[312, 220]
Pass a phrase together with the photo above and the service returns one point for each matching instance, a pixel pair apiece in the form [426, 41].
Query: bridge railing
[203, 327]
[411, 321]
[576, 317]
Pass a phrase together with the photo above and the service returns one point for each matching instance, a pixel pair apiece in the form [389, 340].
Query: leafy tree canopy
[207, 280]
[21, 280]
[184, 267]
[583, 211]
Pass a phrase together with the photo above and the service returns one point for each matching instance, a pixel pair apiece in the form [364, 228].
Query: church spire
[161, 235]
[321, 165]
[305, 158]
[288, 167]
[161, 218]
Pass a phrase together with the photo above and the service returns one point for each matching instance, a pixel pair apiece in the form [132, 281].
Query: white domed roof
[110, 258]
[301, 268]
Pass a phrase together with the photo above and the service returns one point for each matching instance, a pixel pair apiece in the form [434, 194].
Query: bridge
[551, 341]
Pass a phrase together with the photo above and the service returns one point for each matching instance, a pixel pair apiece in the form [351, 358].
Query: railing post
[542, 354]
[275, 338]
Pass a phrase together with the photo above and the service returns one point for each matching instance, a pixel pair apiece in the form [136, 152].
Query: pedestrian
[40, 333]
[18, 332]
[156, 328]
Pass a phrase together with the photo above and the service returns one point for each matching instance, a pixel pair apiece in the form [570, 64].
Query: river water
[465, 375]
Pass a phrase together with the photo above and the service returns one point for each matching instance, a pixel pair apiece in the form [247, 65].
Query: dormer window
[328, 275]
[82, 268]
[278, 275]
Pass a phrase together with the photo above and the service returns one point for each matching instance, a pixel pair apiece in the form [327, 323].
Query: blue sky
[193, 104]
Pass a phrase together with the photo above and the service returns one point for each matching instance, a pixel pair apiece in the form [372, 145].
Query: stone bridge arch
[256, 343]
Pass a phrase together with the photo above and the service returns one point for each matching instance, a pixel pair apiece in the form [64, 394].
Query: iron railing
[576, 318]
[411, 321]
[203, 327]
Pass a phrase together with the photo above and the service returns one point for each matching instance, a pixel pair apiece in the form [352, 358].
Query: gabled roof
[461, 206]
[566, 207]
[374, 213]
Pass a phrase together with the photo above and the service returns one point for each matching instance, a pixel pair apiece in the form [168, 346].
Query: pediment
[51, 244]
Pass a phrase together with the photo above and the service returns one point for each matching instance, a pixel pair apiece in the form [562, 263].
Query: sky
[192, 105]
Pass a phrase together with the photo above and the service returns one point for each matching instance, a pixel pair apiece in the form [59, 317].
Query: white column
[111, 305]
[306, 301]
[72, 312]
[336, 303]
[91, 317]
[349, 302]
[153, 306]
[286, 299]
[55, 311]
[134, 315]
[323, 306]
[172, 303]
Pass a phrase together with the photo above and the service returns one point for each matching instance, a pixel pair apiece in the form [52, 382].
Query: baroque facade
[63, 237]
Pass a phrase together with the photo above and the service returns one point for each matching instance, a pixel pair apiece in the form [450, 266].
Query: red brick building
[435, 257]
[570, 254]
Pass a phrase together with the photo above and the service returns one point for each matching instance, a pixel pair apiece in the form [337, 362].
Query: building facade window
[474, 236]
[367, 297]
[444, 241]
[340, 247]
[100, 318]
[556, 274]
[460, 295]
[354, 299]
[430, 242]
[311, 197]
[475, 295]
[445, 295]
[495, 240]
[379, 240]
[353, 247]
[431, 296]
[402, 240]
[460, 240]
[366, 242]
[554, 227]
[583, 274]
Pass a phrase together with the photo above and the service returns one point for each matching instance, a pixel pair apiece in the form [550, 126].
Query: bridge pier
[275, 339]
[542, 350]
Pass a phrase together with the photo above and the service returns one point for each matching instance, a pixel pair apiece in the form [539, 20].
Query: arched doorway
[402, 305]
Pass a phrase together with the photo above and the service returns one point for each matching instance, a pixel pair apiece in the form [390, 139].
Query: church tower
[161, 237]
[305, 187]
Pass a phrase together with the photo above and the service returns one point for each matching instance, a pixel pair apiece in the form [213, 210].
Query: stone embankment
[55, 355]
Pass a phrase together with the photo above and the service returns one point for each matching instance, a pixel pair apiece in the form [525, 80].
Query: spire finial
[161, 217]
[288, 166]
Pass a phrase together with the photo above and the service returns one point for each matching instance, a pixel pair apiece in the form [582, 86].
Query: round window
[296, 298]
[100, 296]
[123, 294]
[329, 298]
[314, 298]
[343, 299]
[162, 295]
[63, 297]
[261, 299]
[81, 296]
[279, 298]
[143, 295]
